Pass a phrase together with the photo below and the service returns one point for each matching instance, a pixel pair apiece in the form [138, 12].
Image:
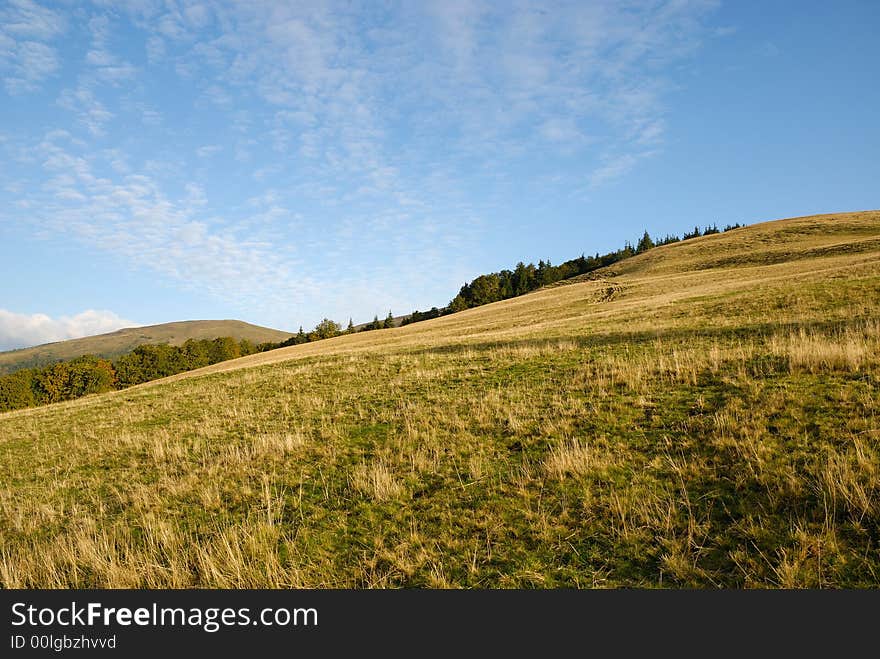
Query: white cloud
[28, 19]
[27, 65]
[130, 216]
[105, 65]
[503, 82]
[25, 59]
[561, 130]
[90, 112]
[24, 330]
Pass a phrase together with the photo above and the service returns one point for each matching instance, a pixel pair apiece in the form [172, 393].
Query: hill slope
[706, 414]
[127, 339]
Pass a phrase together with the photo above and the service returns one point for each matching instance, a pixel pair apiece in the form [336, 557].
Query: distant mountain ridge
[127, 339]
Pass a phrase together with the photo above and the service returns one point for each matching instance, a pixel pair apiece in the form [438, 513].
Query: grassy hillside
[126, 340]
[706, 414]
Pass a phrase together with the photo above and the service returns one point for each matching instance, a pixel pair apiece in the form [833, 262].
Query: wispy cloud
[106, 65]
[90, 112]
[208, 150]
[27, 19]
[377, 141]
[23, 330]
[615, 167]
[494, 84]
[129, 216]
[26, 56]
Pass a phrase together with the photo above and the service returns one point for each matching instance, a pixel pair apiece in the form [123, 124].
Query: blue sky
[282, 162]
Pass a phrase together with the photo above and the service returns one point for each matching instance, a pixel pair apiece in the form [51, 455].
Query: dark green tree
[374, 325]
[485, 289]
[459, 303]
[524, 279]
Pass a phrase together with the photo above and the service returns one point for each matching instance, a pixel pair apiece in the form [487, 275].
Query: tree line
[89, 374]
[505, 284]
[327, 329]
[66, 380]
[524, 278]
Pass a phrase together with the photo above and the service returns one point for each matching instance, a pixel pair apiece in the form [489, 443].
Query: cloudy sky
[282, 162]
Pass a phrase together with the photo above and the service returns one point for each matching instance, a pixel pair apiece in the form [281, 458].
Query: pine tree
[389, 321]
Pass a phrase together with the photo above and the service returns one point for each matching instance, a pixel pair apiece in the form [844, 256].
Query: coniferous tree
[695, 234]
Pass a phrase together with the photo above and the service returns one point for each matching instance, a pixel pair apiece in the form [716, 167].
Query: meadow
[705, 414]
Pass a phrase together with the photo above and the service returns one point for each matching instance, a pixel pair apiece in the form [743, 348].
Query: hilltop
[703, 414]
[125, 340]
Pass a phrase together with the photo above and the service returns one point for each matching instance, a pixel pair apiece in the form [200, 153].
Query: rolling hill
[705, 414]
[125, 340]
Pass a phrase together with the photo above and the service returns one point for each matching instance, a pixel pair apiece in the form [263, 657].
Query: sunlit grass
[708, 426]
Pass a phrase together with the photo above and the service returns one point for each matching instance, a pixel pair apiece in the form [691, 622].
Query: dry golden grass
[376, 481]
[845, 350]
[713, 423]
[572, 457]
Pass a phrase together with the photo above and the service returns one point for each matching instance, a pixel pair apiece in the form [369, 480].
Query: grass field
[125, 340]
[706, 414]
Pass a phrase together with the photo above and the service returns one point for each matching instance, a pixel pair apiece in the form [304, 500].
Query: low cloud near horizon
[25, 330]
